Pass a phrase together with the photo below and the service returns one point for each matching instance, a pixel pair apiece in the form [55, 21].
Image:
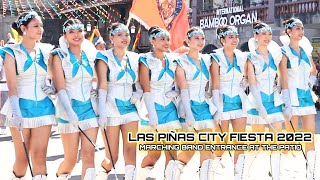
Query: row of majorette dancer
[162, 91]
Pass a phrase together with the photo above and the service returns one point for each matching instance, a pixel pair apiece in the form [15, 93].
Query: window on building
[207, 5]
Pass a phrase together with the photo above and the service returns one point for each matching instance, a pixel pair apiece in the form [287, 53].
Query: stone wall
[5, 26]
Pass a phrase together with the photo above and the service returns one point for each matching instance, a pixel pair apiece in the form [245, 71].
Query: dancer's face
[34, 29]
[296, 32]
[120, 40]
[263, 38]
[196, 42]
[161, 43]
[230, 41]
[74, 36]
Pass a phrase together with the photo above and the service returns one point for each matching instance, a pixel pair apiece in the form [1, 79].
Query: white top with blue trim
[161, 79]
[265, 74]
[31, 73]
[120, 80]
[78, 76]
[298, 71]
[230, 74]
[197, 78]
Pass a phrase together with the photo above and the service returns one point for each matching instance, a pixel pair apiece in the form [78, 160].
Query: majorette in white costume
[197, 79]
[120, 80]
[233, 96]
[161, 81]
[265, 81]
[36, 107]
[78, 84]
[301, 95]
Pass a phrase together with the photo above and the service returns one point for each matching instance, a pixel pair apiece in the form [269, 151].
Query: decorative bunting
[17, 7]
[4, 8]
[60, 9]
[83, 12]
[92, 10]
[29, 4]
[22, 6]
[54, 9]
[41, 13]
[67, 7]
[11, 6]
[48, 10]
[95, 13]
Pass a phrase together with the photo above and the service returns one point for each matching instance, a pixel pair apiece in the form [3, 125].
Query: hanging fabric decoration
[48, 10]
[94, 12]
[80, 9]
[17, 7]
[42, 14]
[61, 9]
[4, 8]
[67, 7]
[29, 4]
[22, 6]
[54, 9]
[11, 6]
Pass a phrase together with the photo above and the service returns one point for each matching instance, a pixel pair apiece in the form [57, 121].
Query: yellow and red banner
[167, 14]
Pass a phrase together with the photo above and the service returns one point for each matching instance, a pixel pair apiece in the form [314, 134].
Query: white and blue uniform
[265, 75]
[120, 80]
[36, 107]
[161, 81]
[233, 97]
[197, 79]
[3, 90]
[78, 84]
[301, 96]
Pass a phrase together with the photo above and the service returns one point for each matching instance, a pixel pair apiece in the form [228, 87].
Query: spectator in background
[10, 39]
[99, 43]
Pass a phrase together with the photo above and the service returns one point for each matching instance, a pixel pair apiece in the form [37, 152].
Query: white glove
[16, 112]
[103, 119]
[312, 82]
[185, 99]
[276, 88]
[287, 108]
[172, 94]
[216, 102]
[65, 101]
[48, 88]
[153, 117]
[94, 93]
[208, 94]
[244, 83]
[257, 96]
[136, 96]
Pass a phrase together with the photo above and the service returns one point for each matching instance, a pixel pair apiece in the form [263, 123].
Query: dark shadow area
[6, 138]
[53, 158]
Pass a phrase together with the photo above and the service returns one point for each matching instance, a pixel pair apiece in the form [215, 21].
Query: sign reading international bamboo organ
[238, 17]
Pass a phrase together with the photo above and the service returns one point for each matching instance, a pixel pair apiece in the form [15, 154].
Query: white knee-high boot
[174, 170]
[143, 174]
[14, 177]
[40, 177]
[103, 174]
[90, 174]
[311, 165]
[130, 172]
[63, 176]
[239, 167]
[275, 165]
[206, 170]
